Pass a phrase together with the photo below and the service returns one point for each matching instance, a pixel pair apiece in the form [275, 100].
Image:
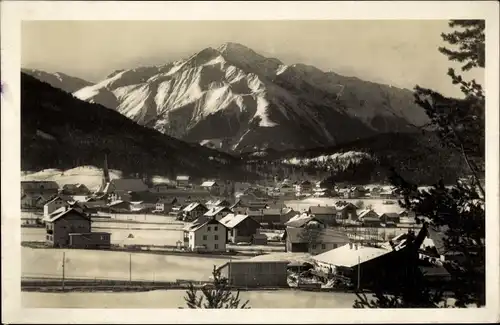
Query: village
[254, 236]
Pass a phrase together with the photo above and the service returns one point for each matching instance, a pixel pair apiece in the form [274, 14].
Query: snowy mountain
[232, 98]
[63, 132]
[59, 80]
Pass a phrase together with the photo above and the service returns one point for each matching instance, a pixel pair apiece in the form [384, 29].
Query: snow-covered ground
[115, 265]
[90, 176]
[377, 204]
[174, 299]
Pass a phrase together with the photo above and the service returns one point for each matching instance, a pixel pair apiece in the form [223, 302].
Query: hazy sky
[400, 53]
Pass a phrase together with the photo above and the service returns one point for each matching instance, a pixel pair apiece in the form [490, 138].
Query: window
[323, 246]
[314, 246]
[216, 246]
[208, 228]
[335, 245]
[204, 237]
[215, 228]
[216, 237]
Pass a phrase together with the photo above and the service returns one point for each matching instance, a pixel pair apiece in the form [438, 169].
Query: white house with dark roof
[182, 181]
[205, 234]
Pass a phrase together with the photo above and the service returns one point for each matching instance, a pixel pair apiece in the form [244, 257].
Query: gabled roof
[367, 213]
[349, 256]
[63, 211]
[214, 211]
[193, 206]
[208, 184]
[231, 220]
[322, 210]
[390, 215]
[54, 199]
[199, 223]
[302, 221]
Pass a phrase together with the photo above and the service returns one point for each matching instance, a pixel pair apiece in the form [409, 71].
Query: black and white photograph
[324, 164]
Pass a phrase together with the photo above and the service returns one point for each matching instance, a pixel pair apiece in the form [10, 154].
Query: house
[119, 206]
[326, 214]
[193, 211]
[312, 240]
[182, 181]
[212, 187]
[375, 192]
[75, 189]
[303, 221]
[34, 194]
[255, 274]
[53, 205]
[389, 217]
[65, 226]
[217, 212]
[369, 217]
[272, 218]
[165, 205]
[240, 227]
[205, 235]
[388, 194]
[217, 203]
[285, 190]
[305, 187]
[346, 211]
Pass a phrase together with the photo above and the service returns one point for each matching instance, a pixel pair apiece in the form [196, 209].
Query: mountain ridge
[236, 100]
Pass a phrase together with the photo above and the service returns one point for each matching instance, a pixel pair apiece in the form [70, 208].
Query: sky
[402, 53]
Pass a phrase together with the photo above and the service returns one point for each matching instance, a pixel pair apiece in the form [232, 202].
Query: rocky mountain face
[59, 80]
[234, 99]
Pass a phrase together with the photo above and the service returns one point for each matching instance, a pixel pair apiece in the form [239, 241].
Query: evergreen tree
[217, 295]
[456, 214]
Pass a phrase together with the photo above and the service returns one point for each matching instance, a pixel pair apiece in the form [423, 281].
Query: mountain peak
[232, 46]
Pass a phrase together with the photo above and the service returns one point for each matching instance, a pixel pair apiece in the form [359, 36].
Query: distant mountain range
[59, 80]
[418, 157]
[61, 131]
[234, 99]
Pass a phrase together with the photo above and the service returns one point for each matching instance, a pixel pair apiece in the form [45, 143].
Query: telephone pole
[130, 267]
[359, 272]
[63, 271]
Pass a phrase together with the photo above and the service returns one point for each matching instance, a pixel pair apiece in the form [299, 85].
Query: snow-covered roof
[182, 178]
[213, 211]
[192, 206]
[349, 256]
[208, 184]
[62, 211]
[366, 212]
[231, 220]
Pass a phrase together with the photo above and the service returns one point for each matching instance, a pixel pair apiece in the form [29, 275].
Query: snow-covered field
[120, 236]
[139, 217]
[90, 176]
[90, 264]
[377, 204]
[174, 299]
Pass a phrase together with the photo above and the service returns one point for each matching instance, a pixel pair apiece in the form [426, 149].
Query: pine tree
[217, 295]
[456, 214]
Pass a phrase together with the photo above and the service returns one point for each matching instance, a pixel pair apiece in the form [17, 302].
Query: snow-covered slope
[238, 100]
[59, 80]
